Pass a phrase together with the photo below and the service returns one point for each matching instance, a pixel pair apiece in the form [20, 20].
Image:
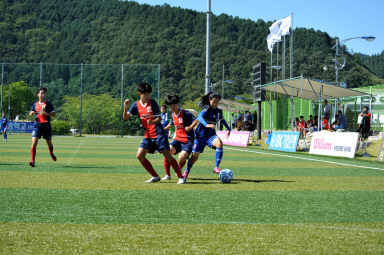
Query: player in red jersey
[155, 137]
[184, 122]
[43, 111]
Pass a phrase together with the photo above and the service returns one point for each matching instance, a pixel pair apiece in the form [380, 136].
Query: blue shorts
[155, 144]
[42, 130]
[179, 146]
[200, 143]
[4, 129]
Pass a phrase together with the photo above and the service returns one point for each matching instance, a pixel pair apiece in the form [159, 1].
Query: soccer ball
[226, 176]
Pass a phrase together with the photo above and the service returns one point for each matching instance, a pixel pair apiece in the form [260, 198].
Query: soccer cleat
[166, 178]
[32, 164]
[181, 181]
[53, 157]
[216, 170]
[153, 179]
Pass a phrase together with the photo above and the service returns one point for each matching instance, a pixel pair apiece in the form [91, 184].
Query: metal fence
[83, 83]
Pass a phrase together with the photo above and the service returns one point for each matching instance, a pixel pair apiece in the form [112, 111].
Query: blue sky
[341, 18]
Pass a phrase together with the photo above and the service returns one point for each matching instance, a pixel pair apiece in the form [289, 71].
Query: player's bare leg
[167, 166]
[50, 147]
[174, 164]
[35, 141]
[183, 159]
[191, 161]
[140, 155]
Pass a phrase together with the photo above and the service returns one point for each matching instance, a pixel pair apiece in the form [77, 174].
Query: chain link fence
[87, 97]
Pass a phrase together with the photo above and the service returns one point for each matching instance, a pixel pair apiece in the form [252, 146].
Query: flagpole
[277, 60]
[283, 61]
[291, 49]
[270, 74]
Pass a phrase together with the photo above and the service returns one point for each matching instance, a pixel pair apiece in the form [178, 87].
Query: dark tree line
[114, 32]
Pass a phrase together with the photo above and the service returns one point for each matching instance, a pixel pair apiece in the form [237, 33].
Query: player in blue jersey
[4, 125]
[164, 116]
[205, 133]
[43, 111]
[184, 121]
[155, 137]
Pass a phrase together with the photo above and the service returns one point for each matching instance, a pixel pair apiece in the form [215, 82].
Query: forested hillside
[375, 63]
[111, 31]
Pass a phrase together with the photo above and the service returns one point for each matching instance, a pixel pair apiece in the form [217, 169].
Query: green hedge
[60, 127]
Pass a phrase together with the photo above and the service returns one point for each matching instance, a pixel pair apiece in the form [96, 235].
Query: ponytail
[205, 99]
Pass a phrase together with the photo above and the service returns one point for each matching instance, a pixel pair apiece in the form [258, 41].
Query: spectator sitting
[234, 121]
[324, 123]
[247, 126]
[342, 125]
[296, 125]
[334, 125]
[240, 118]
[315, 123]
[303, 128]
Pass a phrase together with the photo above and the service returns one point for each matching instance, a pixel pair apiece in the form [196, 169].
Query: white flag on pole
[277, 29]
[271, 40]
[285, 26]
[274, 36]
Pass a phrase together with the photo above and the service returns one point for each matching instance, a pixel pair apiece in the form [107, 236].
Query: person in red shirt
[155, 137]
[324, 123]
[43, 111]
[303, 128]
[184, 121]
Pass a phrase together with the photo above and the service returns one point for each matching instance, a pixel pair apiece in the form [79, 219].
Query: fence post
[122, 98]
[81, 99]
[41, 72]
[158, 85]
[2, 84]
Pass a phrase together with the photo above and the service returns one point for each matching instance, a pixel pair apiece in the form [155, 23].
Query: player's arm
[192, 119]
[201, 119]
[155, 121]
[156, 114]
[167, 127]
[225, 124]
[33, 110]
[126, 113]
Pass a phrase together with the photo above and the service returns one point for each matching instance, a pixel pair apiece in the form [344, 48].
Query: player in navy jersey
[4, 125]
[184, 122]
[164, 116]
[205, 133]
[43, 111]
[155, 137]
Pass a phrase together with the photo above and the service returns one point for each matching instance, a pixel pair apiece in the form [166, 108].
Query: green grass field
[94, 200]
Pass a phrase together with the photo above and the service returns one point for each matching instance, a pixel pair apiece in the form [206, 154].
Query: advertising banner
[340, 144]
[237, 138]
[20, 127]
[284, 141]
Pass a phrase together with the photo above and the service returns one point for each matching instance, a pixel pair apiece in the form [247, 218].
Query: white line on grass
[339, 228]
[69, 162]
[319, 160]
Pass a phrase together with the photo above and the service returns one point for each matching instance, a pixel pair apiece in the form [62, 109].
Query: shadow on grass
[88, 167]
[233, 181]
[12, 164]
[259, 181]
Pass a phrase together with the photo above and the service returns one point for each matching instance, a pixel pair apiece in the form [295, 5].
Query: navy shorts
[155, 144]
[200, 143]
[3, 129]
[179, 146]
[42, 130]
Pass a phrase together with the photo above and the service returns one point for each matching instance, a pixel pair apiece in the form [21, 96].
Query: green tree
[20, 99]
